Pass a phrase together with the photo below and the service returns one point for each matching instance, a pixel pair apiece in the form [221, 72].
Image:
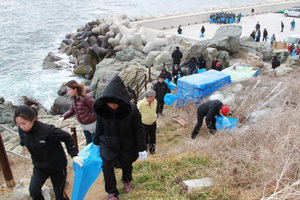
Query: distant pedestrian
[293, 23]
[202, 31]
[179, 30]
[265, 35]
[176, 55]
[273, 39]
[257, 26]
[282, 26]
[253, 34]
[258, 36]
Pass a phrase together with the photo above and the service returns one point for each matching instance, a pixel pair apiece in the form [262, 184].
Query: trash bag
[201, 34]
[201, 70]
[88, 173]
[170, 84]
[169, 98]
[224, 123]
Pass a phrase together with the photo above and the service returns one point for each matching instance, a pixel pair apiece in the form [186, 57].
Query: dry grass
[258, 161]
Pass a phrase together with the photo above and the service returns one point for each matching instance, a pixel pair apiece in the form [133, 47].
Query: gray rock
[6, 114]
[60, 105]
[52, 62]
[197, 183]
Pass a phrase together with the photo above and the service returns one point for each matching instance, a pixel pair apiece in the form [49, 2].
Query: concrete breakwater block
[197, 183]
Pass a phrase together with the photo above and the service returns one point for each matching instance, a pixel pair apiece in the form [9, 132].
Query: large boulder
[61, 105]
[6, 112]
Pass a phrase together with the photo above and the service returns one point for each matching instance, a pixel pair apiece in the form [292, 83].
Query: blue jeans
[192, 71]
[89, 137]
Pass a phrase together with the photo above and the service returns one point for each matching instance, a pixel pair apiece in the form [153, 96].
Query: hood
[114, 92]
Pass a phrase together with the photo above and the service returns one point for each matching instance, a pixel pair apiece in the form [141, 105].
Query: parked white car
[295, 38]
[293, 12]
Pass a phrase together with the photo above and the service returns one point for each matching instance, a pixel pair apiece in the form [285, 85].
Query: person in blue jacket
[43, 141]
[209, 110]
[192, 65]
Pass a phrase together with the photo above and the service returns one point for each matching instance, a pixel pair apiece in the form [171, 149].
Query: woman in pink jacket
[82, 103]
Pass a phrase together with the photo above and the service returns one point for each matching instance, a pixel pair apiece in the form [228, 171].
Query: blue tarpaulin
[169, 99]
[197, 86]
[86, 175]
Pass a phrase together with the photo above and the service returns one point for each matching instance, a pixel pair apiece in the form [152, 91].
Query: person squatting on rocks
[82, 103]
[275, 63]
[176, 55]
[161, 89]
[43, 141]
[214, 62]
[147, 108]
[176, 72]
[202, 62]
[219, 67]
[120, 135]
[209, 110]
[192, 65]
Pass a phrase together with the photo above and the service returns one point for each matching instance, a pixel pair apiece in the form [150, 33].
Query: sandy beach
[270, 21]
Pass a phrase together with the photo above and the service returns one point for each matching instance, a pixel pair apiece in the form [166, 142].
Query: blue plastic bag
[170, 84]
[201, 70]
[224, 123]
[201, 35]
[169, 98]
[86, 175]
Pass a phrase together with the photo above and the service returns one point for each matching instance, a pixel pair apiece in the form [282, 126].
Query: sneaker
[112, 197]
[127, 186]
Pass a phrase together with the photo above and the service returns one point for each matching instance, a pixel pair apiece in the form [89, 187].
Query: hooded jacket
[119, 132]
[82, 107]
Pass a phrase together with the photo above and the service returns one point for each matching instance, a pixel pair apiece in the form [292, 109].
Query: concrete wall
[203, 17]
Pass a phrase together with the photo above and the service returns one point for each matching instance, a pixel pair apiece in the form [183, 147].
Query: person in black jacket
[275, 63]
[130, 90]
[177, 71]
[202, 31]
[165, 74]
[202, 63]
[265, 35]
[209, 110]
[43, 141]
[120, 135]
[219, 66]
[161, 89]
[179, 30]
[214, 62]
[176, 55]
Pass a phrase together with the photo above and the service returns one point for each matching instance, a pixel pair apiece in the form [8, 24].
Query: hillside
[260, 160]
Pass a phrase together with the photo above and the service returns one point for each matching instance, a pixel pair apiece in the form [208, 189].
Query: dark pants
[150, 131]
[160, 106]
[89, 137]
[109, 173]
[200, 118]
[38, 179]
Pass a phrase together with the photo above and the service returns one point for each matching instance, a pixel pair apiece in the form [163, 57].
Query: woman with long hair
[82, 103]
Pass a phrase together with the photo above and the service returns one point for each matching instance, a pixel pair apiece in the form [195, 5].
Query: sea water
[30, 29]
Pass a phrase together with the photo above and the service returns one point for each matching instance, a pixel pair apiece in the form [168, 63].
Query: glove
[143, 155]
[78, 160]
[60, 120]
